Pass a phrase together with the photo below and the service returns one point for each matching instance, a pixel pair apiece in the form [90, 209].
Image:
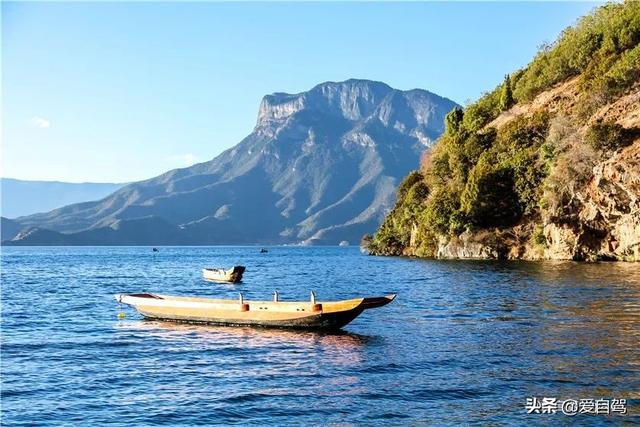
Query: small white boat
[232, 275]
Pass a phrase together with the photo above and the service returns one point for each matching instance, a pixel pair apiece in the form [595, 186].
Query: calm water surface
[464, 343]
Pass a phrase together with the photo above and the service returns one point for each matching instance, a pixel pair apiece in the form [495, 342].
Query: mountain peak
[352, 99]
[354, 84]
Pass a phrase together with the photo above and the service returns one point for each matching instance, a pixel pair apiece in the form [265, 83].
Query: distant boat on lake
[327, 315]
[232, 275]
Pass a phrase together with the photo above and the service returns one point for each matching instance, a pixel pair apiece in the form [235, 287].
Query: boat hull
[270, 314]
[332, 321]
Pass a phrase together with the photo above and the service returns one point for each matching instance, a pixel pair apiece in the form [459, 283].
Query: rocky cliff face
[607, 224]
[320, 167]
[604, 226]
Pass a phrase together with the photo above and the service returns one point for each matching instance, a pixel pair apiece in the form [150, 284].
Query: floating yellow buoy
[121, 315]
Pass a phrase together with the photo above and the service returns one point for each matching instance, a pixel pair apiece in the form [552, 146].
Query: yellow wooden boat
[232, 275]
[325, 315]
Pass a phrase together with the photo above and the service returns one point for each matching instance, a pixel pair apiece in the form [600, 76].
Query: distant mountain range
[319, 167]
[20, 198]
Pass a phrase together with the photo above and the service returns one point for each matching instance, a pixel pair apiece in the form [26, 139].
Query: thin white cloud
[183, 160]
[40, 122]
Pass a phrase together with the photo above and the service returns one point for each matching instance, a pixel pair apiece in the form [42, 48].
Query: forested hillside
[546, 165]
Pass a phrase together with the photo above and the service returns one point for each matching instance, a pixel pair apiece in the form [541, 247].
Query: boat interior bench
[146, 296]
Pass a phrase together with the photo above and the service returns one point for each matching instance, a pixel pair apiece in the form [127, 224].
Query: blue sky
[115, 92]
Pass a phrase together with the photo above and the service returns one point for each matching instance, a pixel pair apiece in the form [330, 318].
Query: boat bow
[377, 301]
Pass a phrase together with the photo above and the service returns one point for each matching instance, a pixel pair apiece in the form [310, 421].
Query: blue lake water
[464, 342]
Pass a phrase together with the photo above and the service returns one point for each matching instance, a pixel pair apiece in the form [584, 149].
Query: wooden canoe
[232, 275]
[326, 315]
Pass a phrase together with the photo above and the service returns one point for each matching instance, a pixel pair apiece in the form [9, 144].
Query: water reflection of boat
[256, 336]
[315, 315]
[293, 348]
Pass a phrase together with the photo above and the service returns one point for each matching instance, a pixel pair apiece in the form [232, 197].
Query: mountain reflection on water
[465, 342]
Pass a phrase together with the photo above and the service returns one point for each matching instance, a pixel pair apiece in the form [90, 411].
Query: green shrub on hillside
[441, 210]
[481, 112]
[453, 121]
[607, 136]
[523, 132]
[538, 238]
[395, 232]
[623, 74]
[489, 198]
[407, 183]
[506, 95]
